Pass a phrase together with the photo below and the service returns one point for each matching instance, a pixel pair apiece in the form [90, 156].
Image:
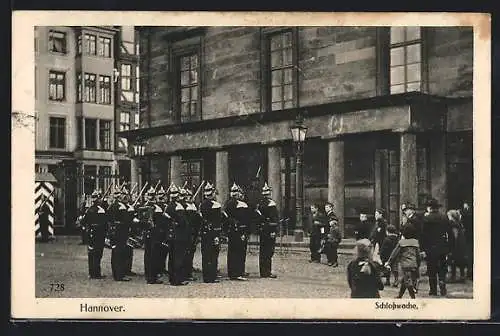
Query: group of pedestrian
[172, 227]
[325, 235]
[443, 242]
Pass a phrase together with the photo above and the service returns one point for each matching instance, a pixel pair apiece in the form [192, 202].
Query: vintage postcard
[203, 165]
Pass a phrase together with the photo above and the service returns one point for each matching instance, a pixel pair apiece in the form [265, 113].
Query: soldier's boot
[433, 287]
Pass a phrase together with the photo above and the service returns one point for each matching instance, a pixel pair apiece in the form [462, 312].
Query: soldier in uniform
[194, 220]
[132, 222]
[119, 233]
[162, 225]
[95, 222]
[151, 238]
[268, 227]
[247, 226]
[236, 230]
[211, 212]
[435, 244]
[333, 237]
[83, 231]
[179, 243]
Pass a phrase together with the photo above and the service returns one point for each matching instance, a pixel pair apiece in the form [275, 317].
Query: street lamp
[137, 151]
[299, 131]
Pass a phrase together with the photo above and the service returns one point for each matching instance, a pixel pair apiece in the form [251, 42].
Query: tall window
[79, 87]
[126, 76]
[79, 132]
[57, 85]
[90, 88]
[57, 42]
[124, 126]
[191, 172]
[90, 44]
[136, 120]
[137, 84]
[281, 68]
[105, 134]
[104, 47]
[406, 59]
[90, 133]
[57, 133]
[423, 175]
[90, 179]
[105, 89]
[189, 87]
[104, 177]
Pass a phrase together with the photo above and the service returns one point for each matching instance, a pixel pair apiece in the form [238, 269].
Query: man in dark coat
[211, 212]
[95, 220]
[43, 219]
[364, 227]
[318, 233]
[194, 219]
[334, 236]
[268, 228]
[379, 231]
[413, 220]
[435, 244]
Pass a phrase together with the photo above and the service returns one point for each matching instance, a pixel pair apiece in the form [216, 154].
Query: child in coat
[388, 245]
[362, 273]
[407, 253]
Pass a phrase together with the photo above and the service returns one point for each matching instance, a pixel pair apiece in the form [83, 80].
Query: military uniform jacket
[119, 223]
[211, 212]
[435, 233]
[95, 221]
[269, 217]
[180, 225]
[239, 217]
[193, 217]
[333, 228]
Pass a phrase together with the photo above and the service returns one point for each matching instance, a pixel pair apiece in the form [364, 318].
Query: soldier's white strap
[241, 204]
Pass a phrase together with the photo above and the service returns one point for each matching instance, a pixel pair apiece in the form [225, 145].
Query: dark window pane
[358, 198]
[194, 61]
[194, 76]
[185, 64]
[194, 93]
[287, 39]
[288, 92]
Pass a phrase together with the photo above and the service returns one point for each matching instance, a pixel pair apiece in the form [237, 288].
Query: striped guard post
[44, 189]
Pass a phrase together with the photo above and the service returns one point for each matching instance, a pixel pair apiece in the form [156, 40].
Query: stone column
[175, 171]
[274, 173]
[134, 174]
[336, 179]
[221, 175]
[408, 187]
[438, 168]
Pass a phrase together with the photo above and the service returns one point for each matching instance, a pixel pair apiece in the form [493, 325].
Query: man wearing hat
[179, 243]
[132, 222]
[435, 244]
[236, 230]
[211, 212]
[118, 233]
[162, 224]
[194, 219]
[334, 236]
[269, 218]
[364, 227]
[95, 222]
[152, 237]
[414, 220]
[379, 231]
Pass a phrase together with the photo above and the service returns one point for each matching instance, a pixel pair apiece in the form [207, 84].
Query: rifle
[132, 190]
[198, 190]
[46, 199]
[140, 194]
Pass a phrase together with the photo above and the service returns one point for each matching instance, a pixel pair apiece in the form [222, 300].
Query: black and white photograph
[254, 161]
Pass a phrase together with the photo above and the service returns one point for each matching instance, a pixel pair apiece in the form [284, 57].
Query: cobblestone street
[64, 261]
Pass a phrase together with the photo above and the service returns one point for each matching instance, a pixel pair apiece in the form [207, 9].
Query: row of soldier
[170, 226]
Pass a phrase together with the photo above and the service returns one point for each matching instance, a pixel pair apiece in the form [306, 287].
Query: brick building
[80, 102]
[388, 111]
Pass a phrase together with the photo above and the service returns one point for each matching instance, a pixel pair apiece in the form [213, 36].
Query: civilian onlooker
[403, 215]
[468, 222]
[318, 232]
[379, 231]
[413, 219]
[388, 245]
[334, 236]
[363, 275]
[435, 244]
[364, 228]
[457, 245]
[407, 254]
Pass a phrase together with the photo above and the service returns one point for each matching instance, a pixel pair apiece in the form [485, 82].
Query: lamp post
[299, 131]
[136, 152]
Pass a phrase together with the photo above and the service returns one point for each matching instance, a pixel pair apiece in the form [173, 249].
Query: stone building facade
[388, 111]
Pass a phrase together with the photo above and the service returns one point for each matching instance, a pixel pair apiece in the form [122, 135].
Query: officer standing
[333, 237]
[179, 243]
[435, 244]
[132, 222]
[95, 222]
[119, 231]
[194, 220]
[236, 229]
[211, 212]
[247, 215]
[268, 227]
[151, 239]
[162, 227]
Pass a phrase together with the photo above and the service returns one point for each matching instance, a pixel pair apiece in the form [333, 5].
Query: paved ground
[65, 262]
